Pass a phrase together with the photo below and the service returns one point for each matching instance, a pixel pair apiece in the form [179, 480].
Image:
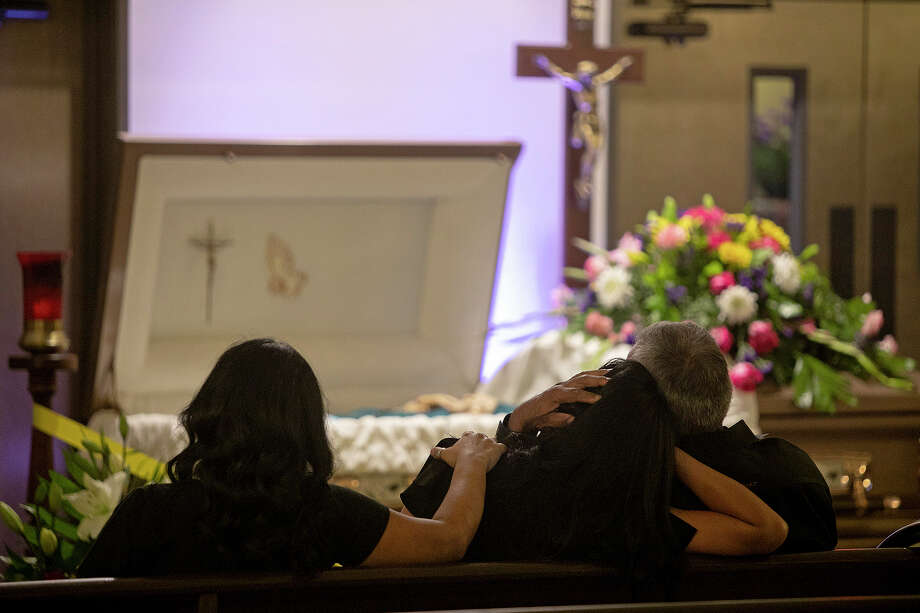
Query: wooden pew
[834, 574]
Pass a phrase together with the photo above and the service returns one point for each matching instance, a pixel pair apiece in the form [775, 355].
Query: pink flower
[561, 296]
[620, 257]
[628, 332]
[714, 239]
[722, 337]
[671, 237]
[762, 337]
[630, 242]
[745, 376]
[767, 242]
[872, 324]
[614, 337]
[808, 327]
[888, 344]
[709, 218]
[721, 282]
[594, 265]
[598, 324]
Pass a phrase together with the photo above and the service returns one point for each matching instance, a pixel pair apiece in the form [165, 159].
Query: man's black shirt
[781, 474]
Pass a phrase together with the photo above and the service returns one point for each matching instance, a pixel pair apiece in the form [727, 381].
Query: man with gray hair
[693, 376]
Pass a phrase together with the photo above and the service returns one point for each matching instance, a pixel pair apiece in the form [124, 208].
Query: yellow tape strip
[74, 433]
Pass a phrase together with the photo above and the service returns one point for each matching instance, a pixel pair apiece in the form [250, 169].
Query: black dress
[511, 529]
[154, 532]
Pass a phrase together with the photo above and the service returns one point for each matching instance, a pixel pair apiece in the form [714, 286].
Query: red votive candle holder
[42, 285]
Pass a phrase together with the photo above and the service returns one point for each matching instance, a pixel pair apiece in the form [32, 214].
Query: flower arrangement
[771, 311]
[67, 512]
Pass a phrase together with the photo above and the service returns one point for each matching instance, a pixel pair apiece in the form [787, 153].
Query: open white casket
[376, 261]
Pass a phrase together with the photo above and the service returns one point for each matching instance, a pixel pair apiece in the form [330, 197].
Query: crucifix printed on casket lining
[582, 68]
[211, 244]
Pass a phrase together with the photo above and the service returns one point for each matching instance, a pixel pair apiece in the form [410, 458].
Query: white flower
[786, 273]
[737, 304]
[97, 502]
[612, 287]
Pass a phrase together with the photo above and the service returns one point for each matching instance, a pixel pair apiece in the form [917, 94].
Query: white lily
[97, 502]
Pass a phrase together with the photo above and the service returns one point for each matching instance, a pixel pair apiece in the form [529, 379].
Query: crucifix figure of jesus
[210, 244]
[587, 132]
[577, 66]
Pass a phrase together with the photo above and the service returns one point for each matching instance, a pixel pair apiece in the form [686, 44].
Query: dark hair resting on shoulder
[258, 445]
[616, 460]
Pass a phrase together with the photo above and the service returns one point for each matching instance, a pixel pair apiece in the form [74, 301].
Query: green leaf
[808, 252]
[86, 466]
[67, 552]
[71, 510]
[91, 446]
[760, 256]
[669, 211]
[708, 201]
[713, 268]
[55, 497]
[68, 486]
[575, 273]
[31, 535]
[588, 247]
[72, 467]
[123, 426]
[41, 491]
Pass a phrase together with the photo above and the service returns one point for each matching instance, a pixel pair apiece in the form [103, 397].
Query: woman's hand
[539, 411]
[472, 447]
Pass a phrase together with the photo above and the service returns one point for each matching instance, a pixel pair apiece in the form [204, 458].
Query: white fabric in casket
[557, 355]
[364, 445]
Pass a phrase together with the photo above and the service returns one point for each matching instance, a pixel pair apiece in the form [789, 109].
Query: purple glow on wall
[369, 70]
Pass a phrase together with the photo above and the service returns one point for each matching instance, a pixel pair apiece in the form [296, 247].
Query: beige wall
[685, 130]
[893, 150]
[40, 84]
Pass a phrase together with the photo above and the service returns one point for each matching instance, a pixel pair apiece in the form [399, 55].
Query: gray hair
[690, 370]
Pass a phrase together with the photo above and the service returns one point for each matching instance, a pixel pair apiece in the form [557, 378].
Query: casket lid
[370, 258]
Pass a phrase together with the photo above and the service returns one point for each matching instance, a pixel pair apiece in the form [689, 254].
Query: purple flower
[749, 356]
[765, 367]
[734, 226]
[676, 293]
[808, 293]
[748, 280]
[630, 339]
[788, 331]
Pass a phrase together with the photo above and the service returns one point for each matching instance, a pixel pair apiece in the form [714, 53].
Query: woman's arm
[444, 537]
[739, 523]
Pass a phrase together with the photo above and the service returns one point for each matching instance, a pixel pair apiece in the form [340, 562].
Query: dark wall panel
[884, 247]
[841, 250]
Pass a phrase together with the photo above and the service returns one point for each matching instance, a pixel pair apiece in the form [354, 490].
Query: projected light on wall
[369, 70]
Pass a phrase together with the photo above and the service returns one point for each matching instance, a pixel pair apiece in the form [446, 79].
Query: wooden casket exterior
[881, 433]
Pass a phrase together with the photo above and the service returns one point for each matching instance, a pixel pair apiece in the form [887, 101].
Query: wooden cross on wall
[579, 48]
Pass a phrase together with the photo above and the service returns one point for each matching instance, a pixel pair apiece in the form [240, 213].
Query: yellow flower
[736, 218]
[735, 254]
[689, 223]
[775, 232]
[751, 231]
[637, 257]
[656, 223]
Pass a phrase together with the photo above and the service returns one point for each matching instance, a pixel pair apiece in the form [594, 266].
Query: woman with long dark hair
[251, 491]
[599, 490]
